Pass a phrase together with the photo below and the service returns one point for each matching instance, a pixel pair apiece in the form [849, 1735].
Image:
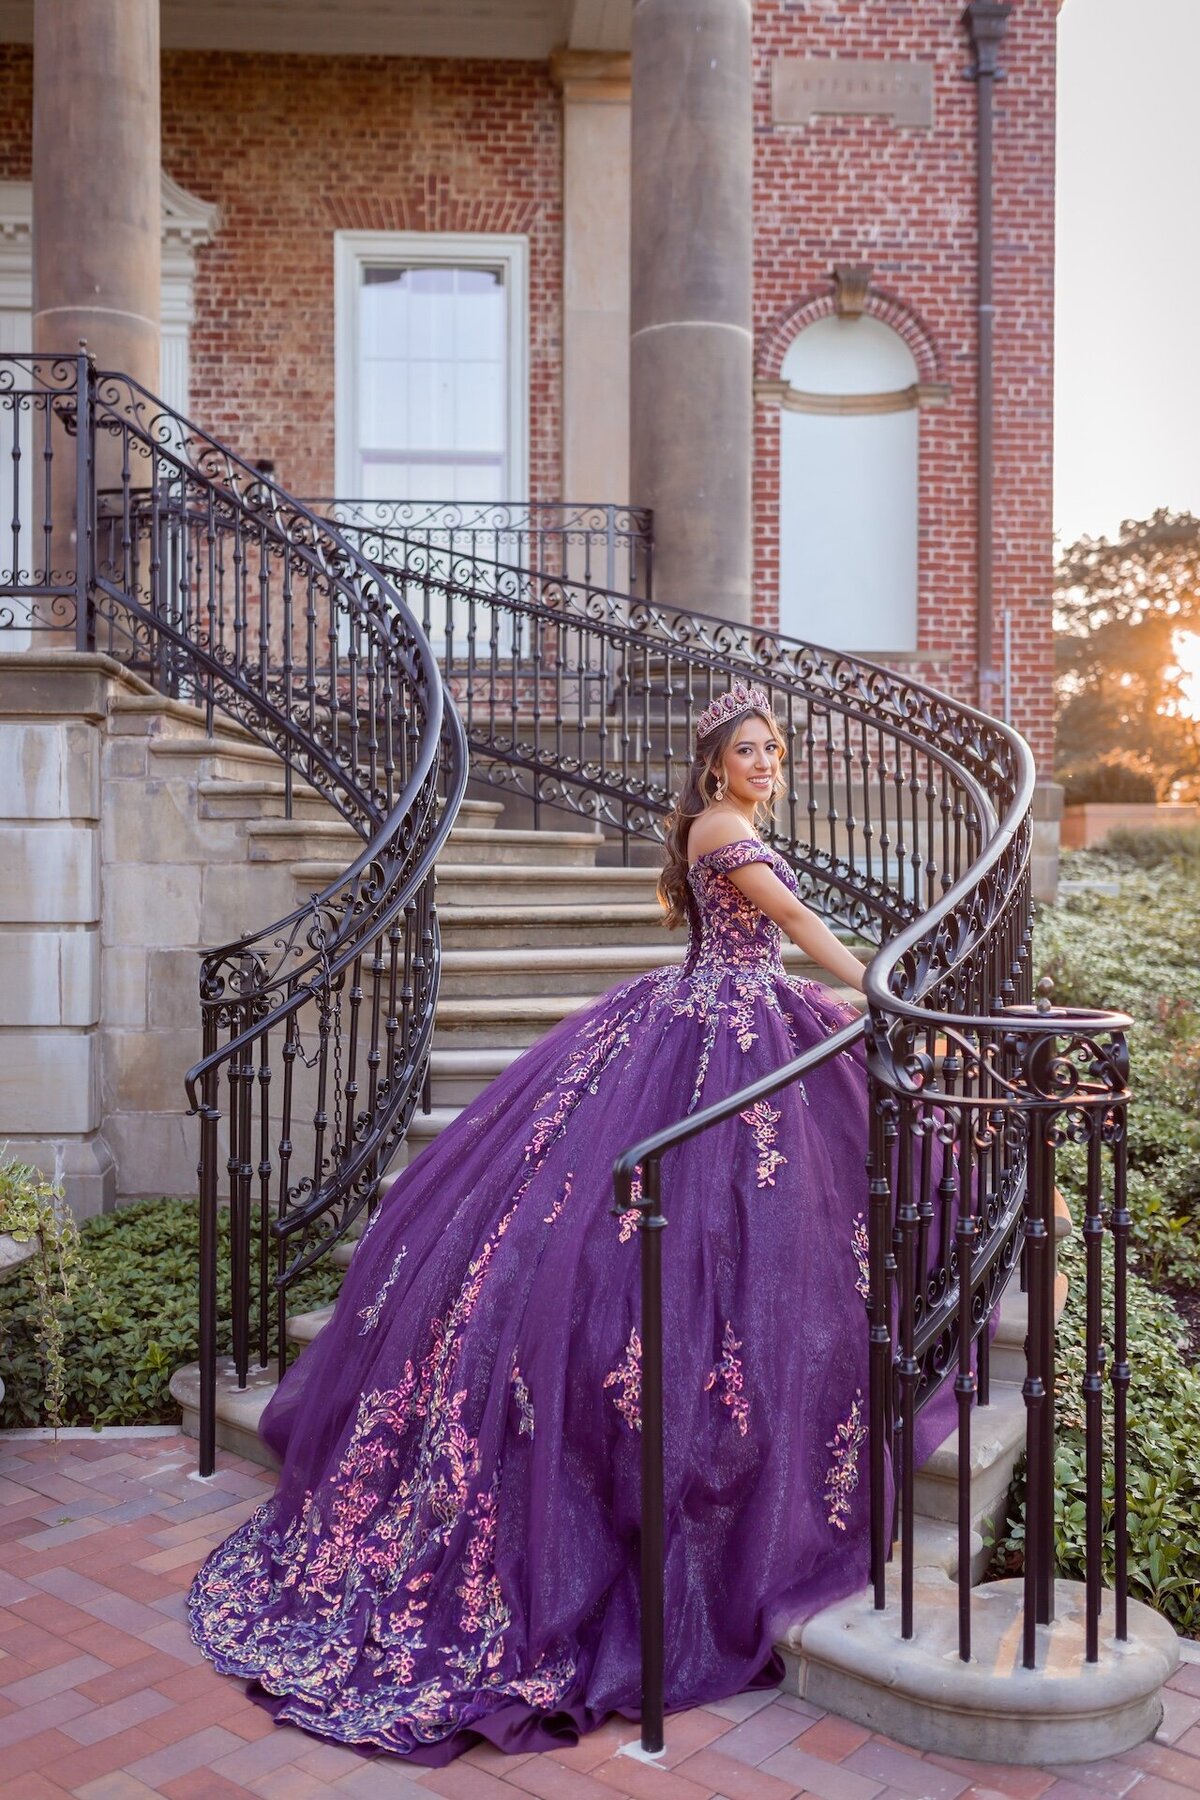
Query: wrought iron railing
[603, 544]
[907, 818]
[145, 539]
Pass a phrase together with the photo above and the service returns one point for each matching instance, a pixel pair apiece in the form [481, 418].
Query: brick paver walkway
[103, 1696]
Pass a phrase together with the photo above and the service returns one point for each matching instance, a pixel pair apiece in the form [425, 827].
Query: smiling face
[750, 762]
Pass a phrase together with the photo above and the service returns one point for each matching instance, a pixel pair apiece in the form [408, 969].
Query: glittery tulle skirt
[452, 1549]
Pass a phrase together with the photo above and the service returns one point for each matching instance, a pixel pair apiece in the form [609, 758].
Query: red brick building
[408, 273]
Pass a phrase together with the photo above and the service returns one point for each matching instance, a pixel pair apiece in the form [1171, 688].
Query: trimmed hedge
[1107, 782]
[133, 1322]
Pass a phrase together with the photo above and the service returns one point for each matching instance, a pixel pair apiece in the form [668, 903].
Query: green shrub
[32, 1210]
[1139, 951]
[132, 1321]
[1154, 845]
[1109, 781]
[1164, 1468]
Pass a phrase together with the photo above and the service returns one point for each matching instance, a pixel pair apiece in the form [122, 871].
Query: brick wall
[16, 112]
[844, 189]
[294, 148]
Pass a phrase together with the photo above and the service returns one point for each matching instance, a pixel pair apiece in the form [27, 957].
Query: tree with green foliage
[1118, 608]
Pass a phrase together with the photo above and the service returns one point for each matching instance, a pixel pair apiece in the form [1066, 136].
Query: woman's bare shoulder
[713, 829]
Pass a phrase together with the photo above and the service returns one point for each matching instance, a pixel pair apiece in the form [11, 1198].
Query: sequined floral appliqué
[841, 1477]
[283, 1602]
[373, 1312]
[626, 1378]
[522, 1402]
[861, 1246]
[763, 1120]
[628, 1220]
[726, 1377]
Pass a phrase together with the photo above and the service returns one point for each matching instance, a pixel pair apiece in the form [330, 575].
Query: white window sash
[353, 250]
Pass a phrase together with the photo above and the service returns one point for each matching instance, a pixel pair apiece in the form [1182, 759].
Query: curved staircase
[360, 664]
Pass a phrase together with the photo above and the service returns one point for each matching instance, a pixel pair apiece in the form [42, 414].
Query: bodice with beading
[725, 927]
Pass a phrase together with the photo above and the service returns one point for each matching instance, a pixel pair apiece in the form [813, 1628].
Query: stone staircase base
[852, 1660]
[238, 1409]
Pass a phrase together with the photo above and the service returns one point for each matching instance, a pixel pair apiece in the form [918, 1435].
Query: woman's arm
[810, 933]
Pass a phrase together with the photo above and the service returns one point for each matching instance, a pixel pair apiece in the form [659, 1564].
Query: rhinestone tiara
[733, 705]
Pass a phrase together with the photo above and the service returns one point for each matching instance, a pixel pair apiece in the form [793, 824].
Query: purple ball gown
[451, 1552]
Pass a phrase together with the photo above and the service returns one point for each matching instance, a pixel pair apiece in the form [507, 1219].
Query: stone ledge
[852, 1660]
[238, 1409]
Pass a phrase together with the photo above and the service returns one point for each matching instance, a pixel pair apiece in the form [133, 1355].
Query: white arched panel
[848, 529]
[848, 488]
[849, 356]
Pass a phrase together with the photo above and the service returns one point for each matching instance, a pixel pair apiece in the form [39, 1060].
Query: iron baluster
[1121, 1374]
[1093, 1389]
[907, 1367]
[966, 1236]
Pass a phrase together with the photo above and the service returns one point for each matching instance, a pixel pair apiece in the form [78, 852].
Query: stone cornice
[598, 76]
[792, 399]
[187, 221]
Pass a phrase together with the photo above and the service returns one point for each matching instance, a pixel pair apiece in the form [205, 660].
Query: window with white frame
[848, 493]
[432, 366]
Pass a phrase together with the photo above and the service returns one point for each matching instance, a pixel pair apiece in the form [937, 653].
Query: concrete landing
[852, 1660]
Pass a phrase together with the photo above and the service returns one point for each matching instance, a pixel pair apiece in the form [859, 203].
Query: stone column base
[85, 1166]
[853, 1660]
[1047, 822]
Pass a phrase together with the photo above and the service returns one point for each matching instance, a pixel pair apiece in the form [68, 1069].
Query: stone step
[1007, 1355]
[287, 840]
[238, 1409]
[513, 1021]
[569, 969]
[457, 1076]
[258, 798]
[505, 847]
[482, 814]
[154, 715]
[997, 1440]
[308, 839]
[302, 1328]
[218, 758]
[516, 884]
[998, 1429]
[500, 927]
[850, 1660]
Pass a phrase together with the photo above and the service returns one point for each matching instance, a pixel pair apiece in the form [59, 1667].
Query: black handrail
[647, 1156]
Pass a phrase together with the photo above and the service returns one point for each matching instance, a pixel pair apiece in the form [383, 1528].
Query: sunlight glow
[1186, 646]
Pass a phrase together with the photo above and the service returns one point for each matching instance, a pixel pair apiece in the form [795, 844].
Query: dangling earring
[722, 788]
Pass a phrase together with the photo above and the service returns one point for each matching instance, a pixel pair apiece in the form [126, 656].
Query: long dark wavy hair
[699, 791]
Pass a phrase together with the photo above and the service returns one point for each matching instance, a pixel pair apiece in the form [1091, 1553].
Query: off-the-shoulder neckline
[732, 844]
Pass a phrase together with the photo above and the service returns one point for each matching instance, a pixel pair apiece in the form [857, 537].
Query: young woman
[451, 1551]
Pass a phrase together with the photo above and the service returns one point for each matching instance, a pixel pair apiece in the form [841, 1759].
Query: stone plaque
[802, 86]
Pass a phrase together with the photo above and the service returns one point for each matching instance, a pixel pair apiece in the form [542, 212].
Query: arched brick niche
[842, 379]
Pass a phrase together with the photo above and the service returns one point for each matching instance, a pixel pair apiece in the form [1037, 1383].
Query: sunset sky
[1128, 336]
